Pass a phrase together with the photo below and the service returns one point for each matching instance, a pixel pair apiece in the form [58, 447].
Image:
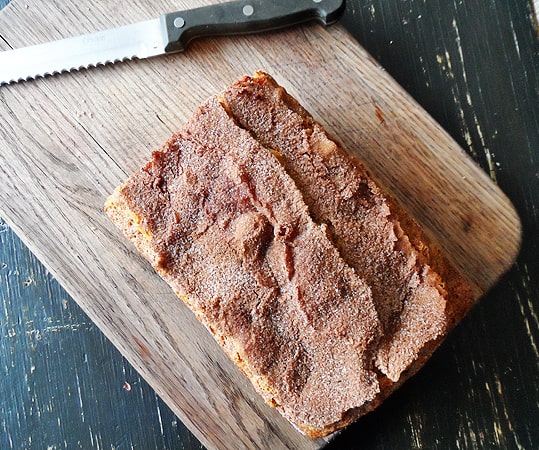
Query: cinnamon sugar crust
[317, 284]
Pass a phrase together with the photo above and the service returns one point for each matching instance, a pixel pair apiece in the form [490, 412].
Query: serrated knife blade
[139, 40]
[169, 33]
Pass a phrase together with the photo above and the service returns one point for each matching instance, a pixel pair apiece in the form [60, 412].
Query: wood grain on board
[68, 140]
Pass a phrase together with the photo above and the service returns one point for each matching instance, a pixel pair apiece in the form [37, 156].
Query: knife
[168, 33]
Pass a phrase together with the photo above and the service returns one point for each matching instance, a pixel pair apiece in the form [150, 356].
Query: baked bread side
[223, 223]
[419, 296]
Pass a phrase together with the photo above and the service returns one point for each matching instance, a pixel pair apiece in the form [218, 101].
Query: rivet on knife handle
[241, 17]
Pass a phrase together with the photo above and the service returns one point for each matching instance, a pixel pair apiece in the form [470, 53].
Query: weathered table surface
[475, 68]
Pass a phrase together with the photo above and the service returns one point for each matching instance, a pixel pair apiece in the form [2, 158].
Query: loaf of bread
[315, 282]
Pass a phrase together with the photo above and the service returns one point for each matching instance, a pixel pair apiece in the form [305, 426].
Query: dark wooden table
[474, 65]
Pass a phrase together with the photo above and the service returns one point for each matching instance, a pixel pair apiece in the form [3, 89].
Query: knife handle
[242, 17]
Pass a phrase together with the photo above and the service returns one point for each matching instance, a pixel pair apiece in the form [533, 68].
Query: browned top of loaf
[363, 222]
[231, 233]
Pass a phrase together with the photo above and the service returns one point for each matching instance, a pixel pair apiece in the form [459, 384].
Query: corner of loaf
[315, 282]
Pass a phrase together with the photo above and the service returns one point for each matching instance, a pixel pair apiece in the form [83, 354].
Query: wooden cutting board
[67, 141]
